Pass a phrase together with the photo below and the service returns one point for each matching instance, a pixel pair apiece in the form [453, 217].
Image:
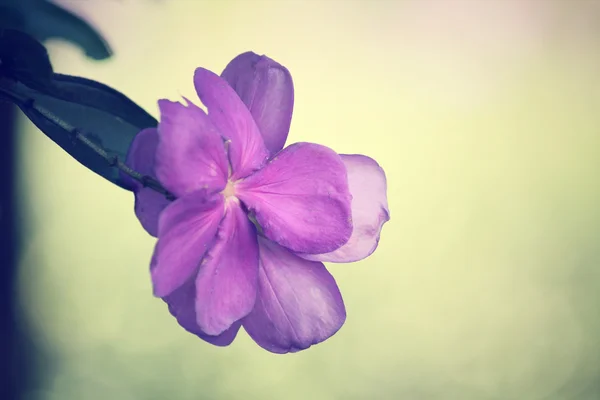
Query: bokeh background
[486, 284]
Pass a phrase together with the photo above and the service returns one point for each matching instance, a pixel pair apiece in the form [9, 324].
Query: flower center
[229, 190]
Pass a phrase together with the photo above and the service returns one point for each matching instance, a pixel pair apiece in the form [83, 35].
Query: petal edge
[370, 210]
[267, 89]
[141, 157]
[186, 229]
[298, 304]
[181, 304]
[247, 151]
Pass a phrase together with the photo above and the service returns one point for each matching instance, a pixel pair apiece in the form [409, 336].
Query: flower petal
[190, 153]
[247, 151]
[182, 306]
[141, 157]
[301, 199]
[369, 210]
[266, 88]
[148, 206]
[227, 279]
[186, 228]
[298, 303]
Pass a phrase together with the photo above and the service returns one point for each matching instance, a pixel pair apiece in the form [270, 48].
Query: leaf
[102, 97]
[95, 137]
[44, 20]
[91, 121]
[24, 59]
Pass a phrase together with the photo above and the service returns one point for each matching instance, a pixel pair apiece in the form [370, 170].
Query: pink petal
[301, 199]
[190, 154]
[298, 303]
[227, 280]
[247, 151]
[141, 158]
[369, 210]
[182, 306]
[266, 88]
[186, 229]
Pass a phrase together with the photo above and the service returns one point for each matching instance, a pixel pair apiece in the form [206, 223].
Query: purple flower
[243, 243]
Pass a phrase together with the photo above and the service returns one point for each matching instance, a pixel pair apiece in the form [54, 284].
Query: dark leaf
[24, 59]
[45, 20]
[101, 97]
[10, 17]
[97, 132]
[92, 122]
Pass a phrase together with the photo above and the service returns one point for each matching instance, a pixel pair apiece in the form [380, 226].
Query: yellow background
[485, 116]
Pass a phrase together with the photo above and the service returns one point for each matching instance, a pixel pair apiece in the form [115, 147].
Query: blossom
[244, 241]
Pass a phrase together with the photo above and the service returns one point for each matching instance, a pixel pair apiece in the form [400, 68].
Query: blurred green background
[484, 115]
